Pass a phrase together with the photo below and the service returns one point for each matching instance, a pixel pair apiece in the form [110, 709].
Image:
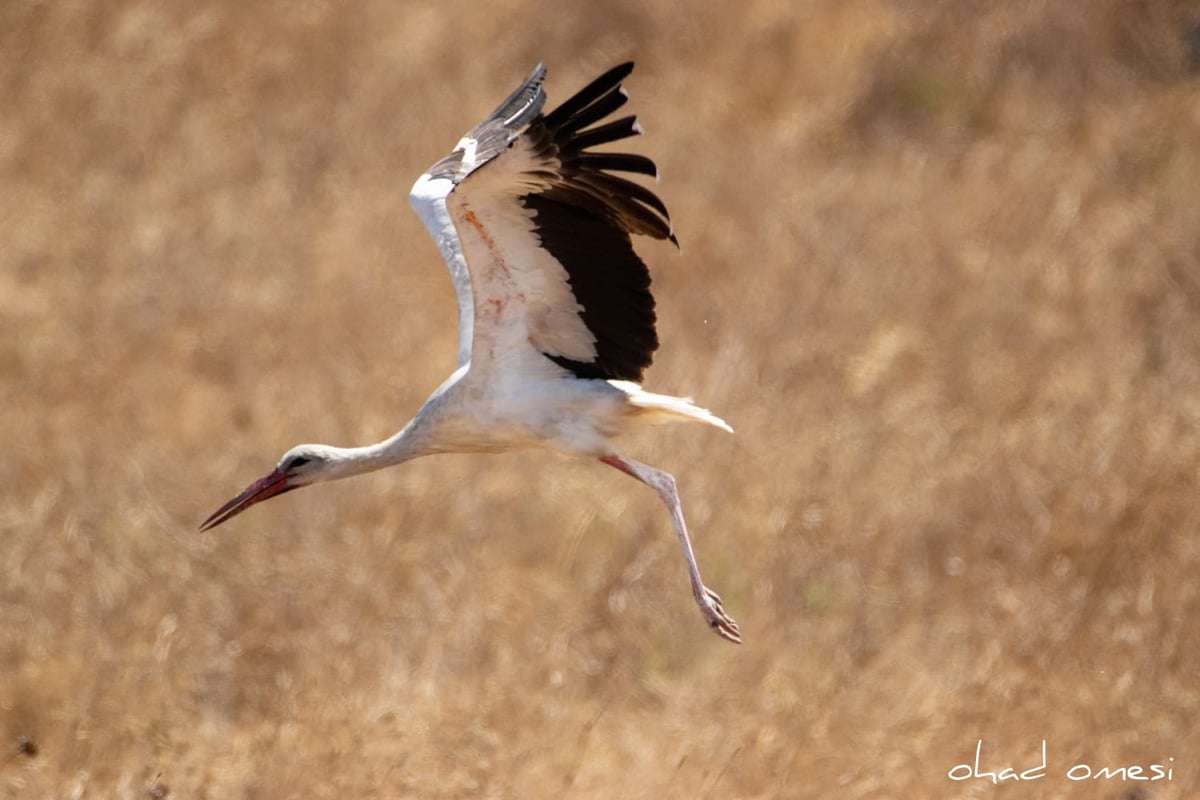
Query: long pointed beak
[262, 489]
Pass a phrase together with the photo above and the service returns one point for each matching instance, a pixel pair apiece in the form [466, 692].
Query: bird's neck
[406, 445]
[426, 434]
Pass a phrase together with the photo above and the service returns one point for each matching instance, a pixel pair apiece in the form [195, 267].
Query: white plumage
[556, 319]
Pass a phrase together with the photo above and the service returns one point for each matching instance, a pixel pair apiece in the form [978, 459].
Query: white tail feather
[669, 407]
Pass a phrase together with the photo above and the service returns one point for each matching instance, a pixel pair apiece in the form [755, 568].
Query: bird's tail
[667, 408]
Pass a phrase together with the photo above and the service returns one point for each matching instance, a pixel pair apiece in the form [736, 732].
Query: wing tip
[538, 73]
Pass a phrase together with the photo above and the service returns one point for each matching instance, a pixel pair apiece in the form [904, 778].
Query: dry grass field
[940, 271]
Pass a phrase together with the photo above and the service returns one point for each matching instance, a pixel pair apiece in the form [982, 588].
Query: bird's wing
[544, 227]
[428, 197]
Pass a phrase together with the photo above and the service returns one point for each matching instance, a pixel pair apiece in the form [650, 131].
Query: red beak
[262, 489]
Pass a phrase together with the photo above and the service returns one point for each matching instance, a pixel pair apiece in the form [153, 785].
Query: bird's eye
[298, 461]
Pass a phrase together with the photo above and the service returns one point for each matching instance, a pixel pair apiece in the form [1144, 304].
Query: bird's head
[300, 466]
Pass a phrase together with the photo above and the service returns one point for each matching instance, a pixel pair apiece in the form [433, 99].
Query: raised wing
[428, 197]
[544, 227]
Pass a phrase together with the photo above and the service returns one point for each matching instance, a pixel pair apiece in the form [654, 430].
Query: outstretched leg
[664, 483]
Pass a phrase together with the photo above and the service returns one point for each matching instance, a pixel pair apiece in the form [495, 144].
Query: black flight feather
[584, 218]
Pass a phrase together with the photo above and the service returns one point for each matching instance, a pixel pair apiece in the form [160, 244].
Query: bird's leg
[664, 483]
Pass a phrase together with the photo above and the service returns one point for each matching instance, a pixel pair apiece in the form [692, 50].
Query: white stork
[556, 319]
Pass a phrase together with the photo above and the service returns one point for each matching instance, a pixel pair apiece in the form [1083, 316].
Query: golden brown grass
[940, 270]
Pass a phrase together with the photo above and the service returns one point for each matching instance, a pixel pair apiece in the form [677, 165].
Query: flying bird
[555, 316]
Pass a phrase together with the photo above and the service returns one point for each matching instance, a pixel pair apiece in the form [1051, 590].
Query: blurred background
[940, 271]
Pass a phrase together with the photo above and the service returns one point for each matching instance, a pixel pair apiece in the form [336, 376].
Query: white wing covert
[428, 196]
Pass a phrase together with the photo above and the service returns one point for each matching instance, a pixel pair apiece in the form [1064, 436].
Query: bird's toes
[727, 629]
[722, 624]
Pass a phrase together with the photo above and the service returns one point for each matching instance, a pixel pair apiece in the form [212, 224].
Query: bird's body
[556, 319]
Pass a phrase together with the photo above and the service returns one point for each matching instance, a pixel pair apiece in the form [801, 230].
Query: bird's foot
[721, 623]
